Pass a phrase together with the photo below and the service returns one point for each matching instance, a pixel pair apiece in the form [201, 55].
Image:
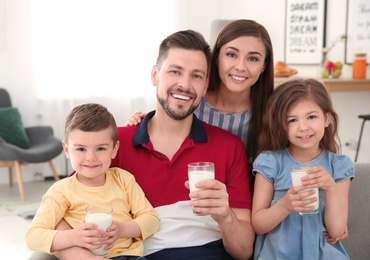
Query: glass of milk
[102, 216]
[297, 172]
[199, 171]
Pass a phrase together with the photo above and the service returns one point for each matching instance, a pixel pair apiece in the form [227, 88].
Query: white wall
[272, 15]
[16, 69]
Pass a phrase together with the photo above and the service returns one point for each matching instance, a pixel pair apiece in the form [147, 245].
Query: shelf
[337, 85]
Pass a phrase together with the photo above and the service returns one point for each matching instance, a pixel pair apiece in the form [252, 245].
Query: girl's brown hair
[274, 133]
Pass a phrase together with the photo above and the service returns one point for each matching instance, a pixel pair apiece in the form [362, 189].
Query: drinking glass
[102, 216]
[297, 172]
[199, 171]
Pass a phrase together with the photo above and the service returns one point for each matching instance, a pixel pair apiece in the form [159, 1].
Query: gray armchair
[42, 146]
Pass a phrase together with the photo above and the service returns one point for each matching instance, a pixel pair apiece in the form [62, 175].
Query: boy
[91, 143]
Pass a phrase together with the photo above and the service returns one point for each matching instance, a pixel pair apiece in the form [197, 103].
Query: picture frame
[305, 31]
[357, 29]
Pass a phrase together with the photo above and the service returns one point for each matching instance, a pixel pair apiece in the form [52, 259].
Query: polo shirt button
[158, 155]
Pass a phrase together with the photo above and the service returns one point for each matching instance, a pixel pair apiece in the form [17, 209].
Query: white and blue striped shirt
[235, 123]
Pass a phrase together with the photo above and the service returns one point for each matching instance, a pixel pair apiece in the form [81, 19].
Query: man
[217, 224]
[158, 150]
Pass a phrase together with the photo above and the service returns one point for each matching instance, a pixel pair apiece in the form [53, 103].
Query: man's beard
[172, 113]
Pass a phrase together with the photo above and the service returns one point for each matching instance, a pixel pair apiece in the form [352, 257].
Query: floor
[12, 227]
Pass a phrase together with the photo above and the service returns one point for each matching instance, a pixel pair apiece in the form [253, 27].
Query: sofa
[357, 243]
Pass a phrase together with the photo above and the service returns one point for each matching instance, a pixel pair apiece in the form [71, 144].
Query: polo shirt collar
[197, 132]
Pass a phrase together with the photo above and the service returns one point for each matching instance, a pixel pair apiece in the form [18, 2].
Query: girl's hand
[135, 119]
[111, 235]
[318, 177]
[295, 199]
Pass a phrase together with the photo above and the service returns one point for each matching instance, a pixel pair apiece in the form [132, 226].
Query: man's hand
[333, 240]
[77, 252]
[212, 199]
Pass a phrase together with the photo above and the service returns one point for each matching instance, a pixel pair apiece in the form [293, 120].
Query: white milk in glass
[199, 171]
[296, 179]
[197, 176]
[102, 216]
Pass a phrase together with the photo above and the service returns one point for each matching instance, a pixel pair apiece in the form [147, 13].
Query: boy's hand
[87, 235]
[111, 235]
[135, 118]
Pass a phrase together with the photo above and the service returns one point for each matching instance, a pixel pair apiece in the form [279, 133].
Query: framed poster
[304, 31]
[358, 29]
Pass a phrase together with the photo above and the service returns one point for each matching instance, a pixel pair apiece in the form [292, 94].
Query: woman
[241, 80]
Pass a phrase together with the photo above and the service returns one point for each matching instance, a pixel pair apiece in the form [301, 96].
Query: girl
[300, 126]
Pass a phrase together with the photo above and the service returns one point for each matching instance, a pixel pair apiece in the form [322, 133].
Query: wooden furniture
[337, 85]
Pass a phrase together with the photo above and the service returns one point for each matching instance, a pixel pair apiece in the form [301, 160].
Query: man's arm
[234, 223]
[237, 233]
[76, 253]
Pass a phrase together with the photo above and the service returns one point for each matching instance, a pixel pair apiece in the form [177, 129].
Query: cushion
[11, 127]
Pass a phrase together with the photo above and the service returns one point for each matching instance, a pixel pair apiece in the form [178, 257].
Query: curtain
[99, 51]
